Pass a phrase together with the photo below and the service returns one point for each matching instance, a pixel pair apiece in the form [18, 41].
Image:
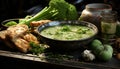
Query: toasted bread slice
[18, 37]
[5, 40]
[37, 23]
[21, 44]
[30, 38]
[3, 35]
[17, 30]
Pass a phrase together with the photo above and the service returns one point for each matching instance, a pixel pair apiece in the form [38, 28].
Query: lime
[105, 55]
[98, 49]
[95, 43]
[108, 47]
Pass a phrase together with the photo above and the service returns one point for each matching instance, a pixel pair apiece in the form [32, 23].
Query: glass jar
[92, 12]
[108, 25]
[108, 22]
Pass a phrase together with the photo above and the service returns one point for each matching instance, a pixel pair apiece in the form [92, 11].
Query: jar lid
[98, 6]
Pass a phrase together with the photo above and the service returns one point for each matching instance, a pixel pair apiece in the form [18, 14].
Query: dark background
[20, 8]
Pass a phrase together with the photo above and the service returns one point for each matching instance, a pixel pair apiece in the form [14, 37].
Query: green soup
[67, 32]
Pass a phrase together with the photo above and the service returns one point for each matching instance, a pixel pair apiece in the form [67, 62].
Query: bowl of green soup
[67, 35]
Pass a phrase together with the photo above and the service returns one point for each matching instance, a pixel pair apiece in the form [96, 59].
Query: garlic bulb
[88, 55]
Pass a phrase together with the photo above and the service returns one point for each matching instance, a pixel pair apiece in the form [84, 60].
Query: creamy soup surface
[67, 32]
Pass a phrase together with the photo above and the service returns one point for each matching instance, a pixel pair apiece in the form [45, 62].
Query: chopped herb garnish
[37, 48]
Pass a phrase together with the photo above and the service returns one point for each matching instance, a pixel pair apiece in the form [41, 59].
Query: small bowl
[8, 20]
[67, 45]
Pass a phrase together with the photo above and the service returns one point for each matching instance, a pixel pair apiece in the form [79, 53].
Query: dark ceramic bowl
[66, 45]
[8, 20]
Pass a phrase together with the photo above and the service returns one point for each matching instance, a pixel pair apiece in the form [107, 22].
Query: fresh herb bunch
[57, 10]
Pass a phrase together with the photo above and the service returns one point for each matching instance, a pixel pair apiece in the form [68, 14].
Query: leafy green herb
[37, 48]
[65, 28]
